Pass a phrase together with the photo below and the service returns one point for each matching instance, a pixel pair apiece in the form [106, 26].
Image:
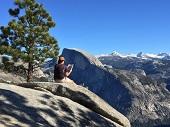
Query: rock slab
[23, 107]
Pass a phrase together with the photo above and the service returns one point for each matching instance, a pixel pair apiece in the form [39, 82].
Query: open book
[70, 67]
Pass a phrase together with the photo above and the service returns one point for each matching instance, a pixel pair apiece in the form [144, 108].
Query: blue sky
[103, 26]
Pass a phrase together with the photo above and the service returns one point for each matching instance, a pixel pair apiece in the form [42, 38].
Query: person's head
[61, 60]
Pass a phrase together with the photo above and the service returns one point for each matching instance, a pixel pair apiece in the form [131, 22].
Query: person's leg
[59, 81]
[67, 80]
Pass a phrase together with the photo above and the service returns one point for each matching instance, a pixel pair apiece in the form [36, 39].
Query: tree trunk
[30, 72]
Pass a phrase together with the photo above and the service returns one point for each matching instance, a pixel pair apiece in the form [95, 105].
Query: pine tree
[27, 37]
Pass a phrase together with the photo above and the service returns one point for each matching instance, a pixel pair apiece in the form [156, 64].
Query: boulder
[4, 58]
[6, 77]
[16, 72]
[82, 96]
[141, 99]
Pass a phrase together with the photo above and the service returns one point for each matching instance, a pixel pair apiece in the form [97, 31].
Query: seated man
[61, 71]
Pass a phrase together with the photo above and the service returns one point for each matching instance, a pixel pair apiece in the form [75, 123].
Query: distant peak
[139, 54]
[114, 53]
[163, 54]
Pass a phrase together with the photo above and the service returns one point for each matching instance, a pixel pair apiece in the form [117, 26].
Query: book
[70, 67]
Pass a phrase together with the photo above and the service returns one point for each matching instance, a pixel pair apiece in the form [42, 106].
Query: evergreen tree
[27, 37]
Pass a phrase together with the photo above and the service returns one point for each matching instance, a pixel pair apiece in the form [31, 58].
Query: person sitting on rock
[61, 71]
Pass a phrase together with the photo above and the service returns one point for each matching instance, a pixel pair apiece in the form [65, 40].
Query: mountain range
[154, 66]
[140, 55]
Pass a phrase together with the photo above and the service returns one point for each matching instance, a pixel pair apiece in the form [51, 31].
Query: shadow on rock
[15, 106]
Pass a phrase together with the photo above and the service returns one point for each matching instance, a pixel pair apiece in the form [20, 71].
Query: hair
[59, 60]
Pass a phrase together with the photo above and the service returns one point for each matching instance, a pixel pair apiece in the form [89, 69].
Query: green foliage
[27, 35]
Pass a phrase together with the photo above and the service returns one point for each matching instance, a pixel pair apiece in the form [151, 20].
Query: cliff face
[142, 99]
[94, 76]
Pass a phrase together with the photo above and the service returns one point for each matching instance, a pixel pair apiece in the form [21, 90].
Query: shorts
[64, 80]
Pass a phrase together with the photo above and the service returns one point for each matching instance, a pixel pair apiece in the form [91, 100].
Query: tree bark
[30, 72]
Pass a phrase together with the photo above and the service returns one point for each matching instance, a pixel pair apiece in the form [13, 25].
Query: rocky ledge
[55, 105]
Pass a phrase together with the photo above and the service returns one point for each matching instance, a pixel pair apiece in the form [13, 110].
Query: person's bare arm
[69, 70]
[67, 73]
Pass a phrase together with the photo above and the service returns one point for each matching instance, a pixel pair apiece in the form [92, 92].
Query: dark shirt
[59, 71]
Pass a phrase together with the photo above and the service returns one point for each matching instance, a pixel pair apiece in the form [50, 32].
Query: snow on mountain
[156, 56]
[163, 54]
[114, 53]
[148, 55]
[138, 55]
